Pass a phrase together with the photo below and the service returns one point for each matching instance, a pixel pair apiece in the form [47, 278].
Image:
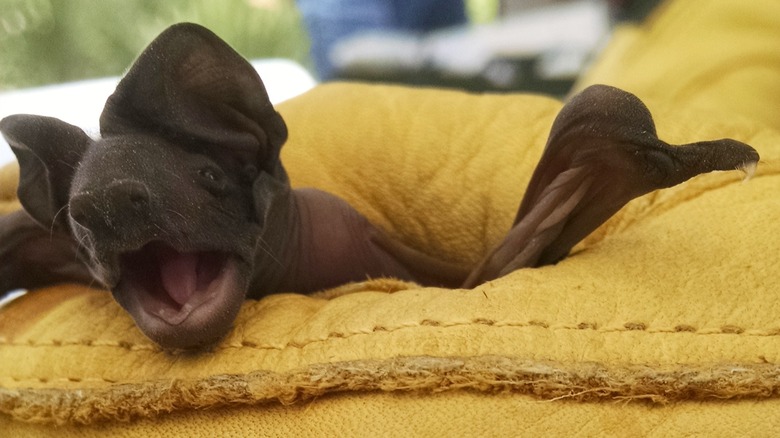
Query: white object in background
[578, 26]
[565, 35]
[80, 103]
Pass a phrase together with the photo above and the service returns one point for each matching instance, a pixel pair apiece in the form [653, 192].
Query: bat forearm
[31, 256]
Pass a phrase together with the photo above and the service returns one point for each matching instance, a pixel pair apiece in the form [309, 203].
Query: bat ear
[48, 151]
[190, 86]
[602, 152]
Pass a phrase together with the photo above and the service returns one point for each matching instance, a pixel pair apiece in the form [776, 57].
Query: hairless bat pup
[183, 209]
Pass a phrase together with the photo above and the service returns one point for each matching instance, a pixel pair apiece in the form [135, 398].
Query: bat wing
[31, 256]
[602, 152]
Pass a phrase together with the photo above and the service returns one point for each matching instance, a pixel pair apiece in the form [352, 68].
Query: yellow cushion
[669, 309]
[709, 53]
[670, 301]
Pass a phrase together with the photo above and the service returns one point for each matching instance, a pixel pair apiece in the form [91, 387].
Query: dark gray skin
[182, 208]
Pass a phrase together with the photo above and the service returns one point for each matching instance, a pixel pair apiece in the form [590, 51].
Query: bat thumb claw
[749, 169]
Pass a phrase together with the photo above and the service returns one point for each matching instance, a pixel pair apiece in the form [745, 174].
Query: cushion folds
[663, 321]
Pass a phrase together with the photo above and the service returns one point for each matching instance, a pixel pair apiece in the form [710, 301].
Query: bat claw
[749, 169]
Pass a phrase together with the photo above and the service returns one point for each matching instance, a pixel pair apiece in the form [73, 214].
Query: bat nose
[128, 197]
[123, 201]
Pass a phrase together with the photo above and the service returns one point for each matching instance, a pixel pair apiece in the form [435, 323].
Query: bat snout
[123, 203]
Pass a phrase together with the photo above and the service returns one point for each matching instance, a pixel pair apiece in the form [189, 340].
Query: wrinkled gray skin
[183, 209]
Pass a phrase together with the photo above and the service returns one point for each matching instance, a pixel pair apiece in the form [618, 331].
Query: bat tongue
[179, 274]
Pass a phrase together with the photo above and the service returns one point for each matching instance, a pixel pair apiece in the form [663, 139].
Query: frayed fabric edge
[580, 382]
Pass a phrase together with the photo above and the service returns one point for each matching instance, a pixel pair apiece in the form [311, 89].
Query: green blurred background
[52, 41]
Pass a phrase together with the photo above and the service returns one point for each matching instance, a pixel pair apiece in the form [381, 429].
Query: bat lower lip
[145, 284]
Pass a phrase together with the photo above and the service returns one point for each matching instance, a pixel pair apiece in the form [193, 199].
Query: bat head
[168, 205]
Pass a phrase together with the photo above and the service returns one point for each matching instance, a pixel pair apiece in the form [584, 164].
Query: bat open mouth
[171, 284]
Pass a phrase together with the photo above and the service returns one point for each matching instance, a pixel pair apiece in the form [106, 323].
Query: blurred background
[473, 44]
[52, 41]
[63, 58]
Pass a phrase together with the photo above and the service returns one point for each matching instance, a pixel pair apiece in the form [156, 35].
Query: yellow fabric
[719, 54]
[8, 178]
[449, 414]
[669, 308]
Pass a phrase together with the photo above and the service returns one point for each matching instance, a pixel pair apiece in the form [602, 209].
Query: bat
[182, 207]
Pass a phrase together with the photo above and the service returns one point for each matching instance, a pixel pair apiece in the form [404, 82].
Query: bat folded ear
[190, 86]
[49, 151]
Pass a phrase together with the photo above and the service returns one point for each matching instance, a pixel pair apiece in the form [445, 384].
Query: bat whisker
[172, 211]
[69, 165]
[267, 249]
[54, 219]
[80, 242]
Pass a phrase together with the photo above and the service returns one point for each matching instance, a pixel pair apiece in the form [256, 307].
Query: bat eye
[209, 173]
[212, 179]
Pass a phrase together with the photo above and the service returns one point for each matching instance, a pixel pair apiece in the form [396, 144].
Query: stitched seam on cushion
[46, 380]
[583, 326]
[127, 345]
